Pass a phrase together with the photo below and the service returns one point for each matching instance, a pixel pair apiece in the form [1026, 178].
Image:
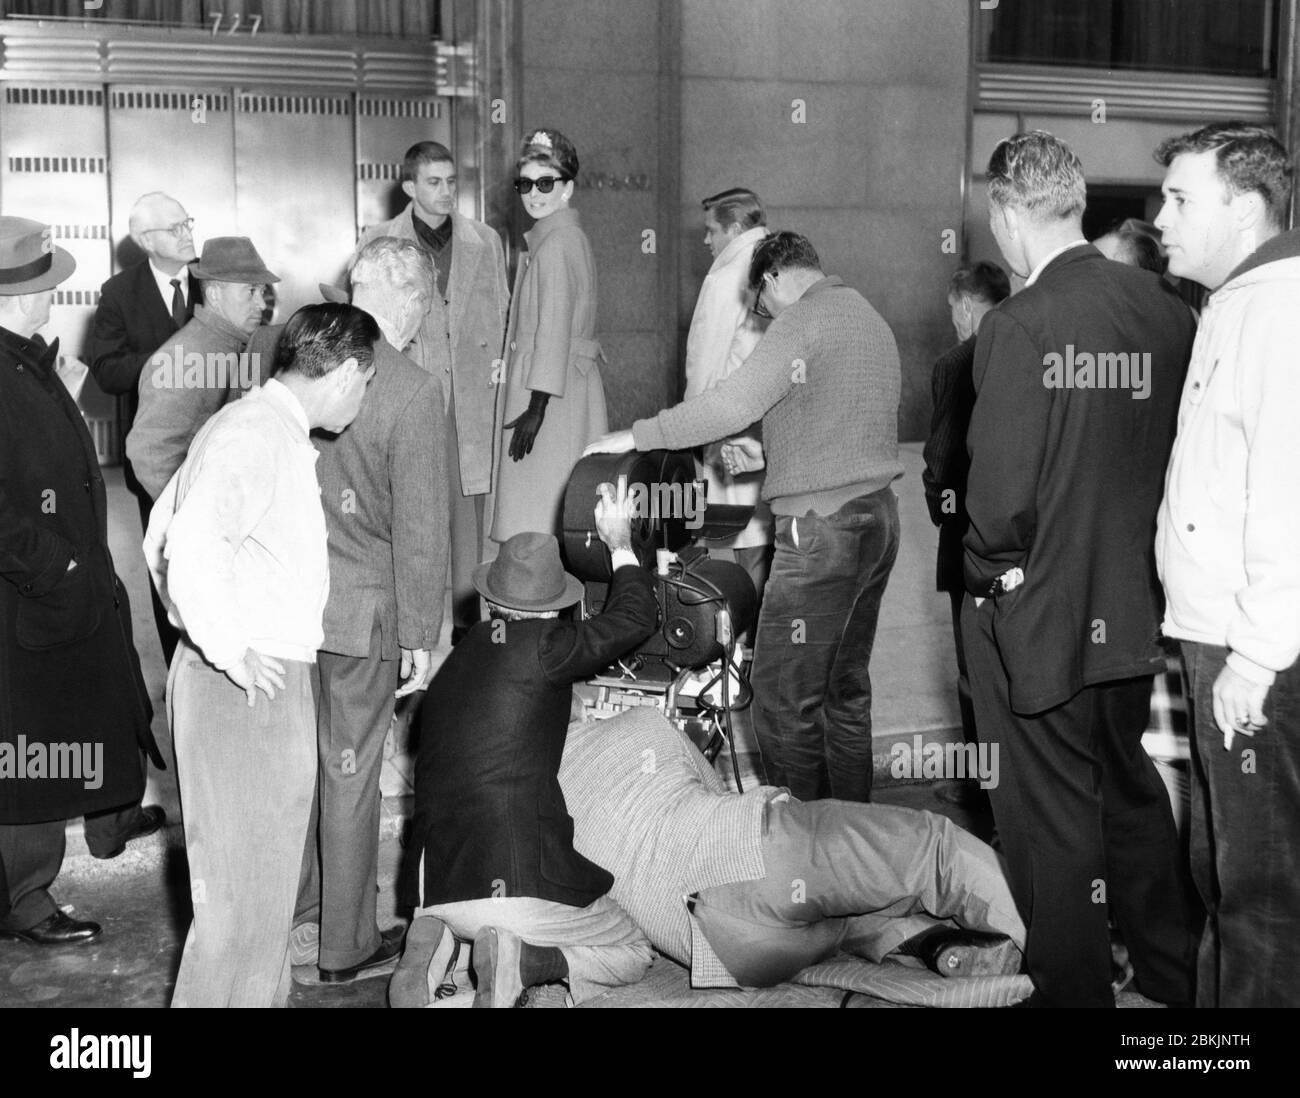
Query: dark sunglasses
[546, 184]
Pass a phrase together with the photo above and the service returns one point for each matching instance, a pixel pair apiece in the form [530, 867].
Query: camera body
[703, 603]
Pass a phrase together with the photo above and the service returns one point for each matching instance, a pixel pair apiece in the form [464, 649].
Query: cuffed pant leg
[355, 708]
[602, 946]
[31, 855]
[246, 780]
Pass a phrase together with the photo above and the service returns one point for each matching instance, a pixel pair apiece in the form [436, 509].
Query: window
[1207, 37]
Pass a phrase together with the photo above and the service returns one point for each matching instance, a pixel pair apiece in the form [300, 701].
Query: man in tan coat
[460, 344]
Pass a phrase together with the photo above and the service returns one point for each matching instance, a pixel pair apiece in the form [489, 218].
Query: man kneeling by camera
[744, 889]
[491, 856]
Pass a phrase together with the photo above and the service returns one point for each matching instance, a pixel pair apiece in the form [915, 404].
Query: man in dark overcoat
[1077, 381]
[74, 712]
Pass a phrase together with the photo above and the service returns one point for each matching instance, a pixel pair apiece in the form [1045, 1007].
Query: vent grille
[75, 164]
[252, 103]
[55, 97]
[76, 297]
[400, 108]
[81, 232]
[168, 100]
[370, 170]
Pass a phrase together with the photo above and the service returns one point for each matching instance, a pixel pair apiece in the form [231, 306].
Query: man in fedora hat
[194, 375]
[491, 856]
[64, 615]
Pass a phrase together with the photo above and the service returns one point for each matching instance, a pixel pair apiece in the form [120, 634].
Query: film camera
[704, 604]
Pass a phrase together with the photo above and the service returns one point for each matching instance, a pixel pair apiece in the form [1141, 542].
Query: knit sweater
[825, 381]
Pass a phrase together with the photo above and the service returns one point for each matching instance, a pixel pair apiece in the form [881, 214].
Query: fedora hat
[527, 575]
[29, 259]
[232, 259]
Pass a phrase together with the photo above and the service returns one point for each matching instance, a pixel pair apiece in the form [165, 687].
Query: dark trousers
[30, 858]
[964, 701]
[1084, 821]
[1245, 842]
[337, 887]
[106, 832]
[812, 685]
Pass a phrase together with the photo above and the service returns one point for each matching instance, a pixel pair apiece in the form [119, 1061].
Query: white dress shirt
[236, 543]
[164, 283]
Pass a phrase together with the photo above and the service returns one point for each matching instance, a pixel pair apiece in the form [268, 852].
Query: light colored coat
[551, 347]
[460, 341]
[724, 330]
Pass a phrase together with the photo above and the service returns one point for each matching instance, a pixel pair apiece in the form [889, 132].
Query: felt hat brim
[60, 270]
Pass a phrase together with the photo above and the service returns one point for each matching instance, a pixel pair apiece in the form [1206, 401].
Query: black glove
[527, 425]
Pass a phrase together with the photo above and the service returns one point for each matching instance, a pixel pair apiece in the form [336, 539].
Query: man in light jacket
[1228, 552]
[724, 330]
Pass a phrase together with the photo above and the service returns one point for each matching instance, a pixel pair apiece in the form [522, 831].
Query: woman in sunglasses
[554, 402]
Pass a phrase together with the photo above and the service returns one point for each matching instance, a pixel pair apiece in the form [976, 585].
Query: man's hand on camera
[614, 516]
[616, 442]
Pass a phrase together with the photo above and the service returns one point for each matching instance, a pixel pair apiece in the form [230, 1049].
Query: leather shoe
[58, 929]
[147, 821]
[420, 974]
[496, 968]
[390, 945]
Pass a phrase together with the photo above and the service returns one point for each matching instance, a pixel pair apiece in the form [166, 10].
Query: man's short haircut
[982, 281]
[1038, 173]
[389, 261]
[319, 338]
[737, 206]
[1139, 244]
[421, 153]
[1248, 158]
[142, 205]
[783, 251]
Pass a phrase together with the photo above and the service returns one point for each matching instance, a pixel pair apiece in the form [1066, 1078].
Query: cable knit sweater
[825, 380]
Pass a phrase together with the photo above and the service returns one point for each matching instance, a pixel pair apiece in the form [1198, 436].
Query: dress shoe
[496, 968]
[421, 972]
[147, 821]
[58, 929]
[390, 945]
[951, 951]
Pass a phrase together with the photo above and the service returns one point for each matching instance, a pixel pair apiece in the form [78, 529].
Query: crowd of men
[1094, 446]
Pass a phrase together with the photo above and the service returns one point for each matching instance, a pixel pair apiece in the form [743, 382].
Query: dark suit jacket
[1065, 482]
[946, 460]
[69, 674]
[384, 490]
[490, 818]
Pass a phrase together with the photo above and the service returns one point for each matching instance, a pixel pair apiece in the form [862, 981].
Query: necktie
[178, 304]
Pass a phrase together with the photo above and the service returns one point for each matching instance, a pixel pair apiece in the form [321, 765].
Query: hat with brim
[527, 575]
[30, 261]
[232, 259]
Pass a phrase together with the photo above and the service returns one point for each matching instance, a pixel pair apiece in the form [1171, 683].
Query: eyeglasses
[178, 230]
[759, 309]
[546, 184]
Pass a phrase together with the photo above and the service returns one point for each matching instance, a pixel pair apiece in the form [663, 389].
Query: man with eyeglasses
[825, 381]
[460, 344]
[140, 308]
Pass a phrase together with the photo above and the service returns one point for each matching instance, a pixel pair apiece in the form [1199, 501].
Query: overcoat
[1067, 471]
[550, 347]
[489, 815]
[460, 340]
[70, 679]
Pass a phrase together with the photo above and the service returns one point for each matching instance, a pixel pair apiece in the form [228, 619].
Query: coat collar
[32, 352]
[745, 243]
[566, 217]
[1076, 249]
[219, 324]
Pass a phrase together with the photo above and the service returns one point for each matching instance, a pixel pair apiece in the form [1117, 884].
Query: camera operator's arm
[575, 650]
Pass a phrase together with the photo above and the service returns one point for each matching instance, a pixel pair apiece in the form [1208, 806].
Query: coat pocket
[584, 355]
[67, 613]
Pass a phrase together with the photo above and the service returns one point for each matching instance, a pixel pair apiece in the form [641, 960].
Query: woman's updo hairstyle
[552, 148]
